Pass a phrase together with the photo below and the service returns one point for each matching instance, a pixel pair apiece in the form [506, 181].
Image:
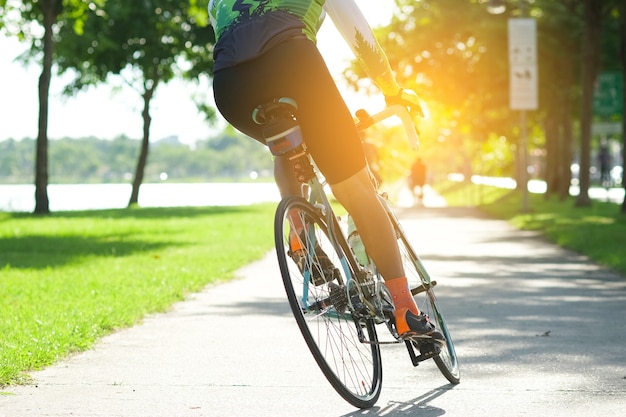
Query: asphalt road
[538, 330]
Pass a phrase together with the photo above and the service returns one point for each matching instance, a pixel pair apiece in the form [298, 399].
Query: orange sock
[295, 244]
[402, 301]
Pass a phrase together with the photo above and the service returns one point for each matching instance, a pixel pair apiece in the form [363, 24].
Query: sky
[106, 113]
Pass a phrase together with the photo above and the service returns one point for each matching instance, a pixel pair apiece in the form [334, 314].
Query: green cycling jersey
[225, 13]
[308, 16]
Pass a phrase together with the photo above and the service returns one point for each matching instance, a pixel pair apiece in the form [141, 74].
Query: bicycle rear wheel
[424, 294]
[353, 368]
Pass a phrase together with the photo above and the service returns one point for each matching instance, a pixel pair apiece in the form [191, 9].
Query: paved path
[539, 331]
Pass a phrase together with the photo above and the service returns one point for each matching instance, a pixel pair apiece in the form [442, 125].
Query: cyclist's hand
[407, 98]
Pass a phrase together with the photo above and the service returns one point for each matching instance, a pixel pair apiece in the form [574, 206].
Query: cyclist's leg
[358, 196]
[288, 185]
[285, 177]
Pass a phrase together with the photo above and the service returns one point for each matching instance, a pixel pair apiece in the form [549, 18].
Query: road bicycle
[338, 298]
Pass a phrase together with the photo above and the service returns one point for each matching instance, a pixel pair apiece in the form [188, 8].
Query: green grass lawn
[72, 277]
[598, 231]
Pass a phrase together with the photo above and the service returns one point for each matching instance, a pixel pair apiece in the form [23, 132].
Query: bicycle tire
[424, 294]
[353, 368]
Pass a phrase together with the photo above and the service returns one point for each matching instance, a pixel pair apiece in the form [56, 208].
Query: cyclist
[265, 49]
[417, 179]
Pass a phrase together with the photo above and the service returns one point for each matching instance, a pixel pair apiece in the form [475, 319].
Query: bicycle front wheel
[424, 294]
[315, 279]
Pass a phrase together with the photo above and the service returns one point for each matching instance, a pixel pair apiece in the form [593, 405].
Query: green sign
[608, 97]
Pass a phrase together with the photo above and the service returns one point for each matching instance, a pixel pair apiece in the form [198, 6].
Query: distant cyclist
[265, 50]
[604, 158]
[417, 179]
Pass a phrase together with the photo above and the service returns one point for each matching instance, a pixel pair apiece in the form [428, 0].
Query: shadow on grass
[43, 251]
[149, 212]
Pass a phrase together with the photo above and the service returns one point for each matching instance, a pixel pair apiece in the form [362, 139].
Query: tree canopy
[455, 55]
[227, 156]
[146, 43]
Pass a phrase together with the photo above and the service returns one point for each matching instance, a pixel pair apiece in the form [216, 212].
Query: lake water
[67, 197]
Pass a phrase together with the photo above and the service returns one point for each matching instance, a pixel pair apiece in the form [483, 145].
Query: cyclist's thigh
[295, 69]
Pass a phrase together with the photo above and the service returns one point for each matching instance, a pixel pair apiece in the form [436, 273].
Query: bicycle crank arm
[423, 288]
[365, 341]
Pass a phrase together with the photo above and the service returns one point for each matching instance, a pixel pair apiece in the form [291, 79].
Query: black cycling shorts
[295, 69]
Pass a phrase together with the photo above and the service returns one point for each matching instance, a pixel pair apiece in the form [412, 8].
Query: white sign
[523, 74]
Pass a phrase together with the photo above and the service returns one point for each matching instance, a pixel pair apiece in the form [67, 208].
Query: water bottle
[355, 242]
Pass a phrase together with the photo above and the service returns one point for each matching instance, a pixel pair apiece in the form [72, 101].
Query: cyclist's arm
[354, 28]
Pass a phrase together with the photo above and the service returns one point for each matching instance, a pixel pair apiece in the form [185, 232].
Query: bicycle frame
[318, 198]
[352, 269]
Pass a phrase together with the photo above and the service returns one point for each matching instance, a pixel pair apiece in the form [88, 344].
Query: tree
[454, 54]
[592, 17]
[622, 57]
[145, 43]
[21, 19]
[559, 32]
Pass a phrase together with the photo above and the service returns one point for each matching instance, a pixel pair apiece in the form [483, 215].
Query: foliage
[146, 43]
[73, 277]
[447, 51]
[18, 17]
[455, 55]
[93, 160]
[154, 37]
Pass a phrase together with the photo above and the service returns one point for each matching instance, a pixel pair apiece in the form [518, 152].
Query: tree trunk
[567, 139]
[145, 145]
[42, 204]
[622, 57]
[590, 61]
[566, 122]
[566, 128]
[552, 172]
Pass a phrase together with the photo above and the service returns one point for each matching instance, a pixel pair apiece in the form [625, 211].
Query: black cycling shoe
[421, 329]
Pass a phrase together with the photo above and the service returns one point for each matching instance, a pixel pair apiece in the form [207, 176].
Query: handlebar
[366, 120]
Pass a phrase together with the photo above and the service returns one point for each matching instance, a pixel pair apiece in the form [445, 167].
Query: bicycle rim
[427, 302]
[354, 369]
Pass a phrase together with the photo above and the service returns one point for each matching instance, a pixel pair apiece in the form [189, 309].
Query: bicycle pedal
[429, 350]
